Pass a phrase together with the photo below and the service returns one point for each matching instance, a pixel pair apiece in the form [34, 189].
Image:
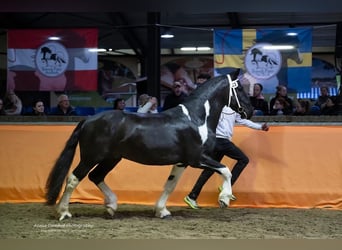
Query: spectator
[119, 104]
[63, 106]
[321, 100]
[302, 107]
[2, 109]
[258, 101]
[282, 92]
[225, 147]
[38, 108]
[176, 97]
[148, 104]
[12, 104]
[329, 107]
[281, 107]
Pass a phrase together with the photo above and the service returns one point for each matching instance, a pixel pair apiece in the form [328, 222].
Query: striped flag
[52, 59]
[267, 56]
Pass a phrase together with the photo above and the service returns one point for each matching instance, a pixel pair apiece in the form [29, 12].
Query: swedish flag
[268, 56]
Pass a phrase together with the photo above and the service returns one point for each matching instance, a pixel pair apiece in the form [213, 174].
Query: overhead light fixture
[167, 34]
[54, 38]
[195, 48]
[278, 47]
[97, 50]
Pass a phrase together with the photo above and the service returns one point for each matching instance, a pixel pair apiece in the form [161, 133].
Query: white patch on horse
[203, 129]
[185, 111]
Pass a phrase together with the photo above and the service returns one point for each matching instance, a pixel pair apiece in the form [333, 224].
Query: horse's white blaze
[203, 129]
[185, 111]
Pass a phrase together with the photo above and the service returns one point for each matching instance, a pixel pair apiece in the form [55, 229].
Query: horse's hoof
[222, 204]
[110, 211]
[65, 215]
[167, 217]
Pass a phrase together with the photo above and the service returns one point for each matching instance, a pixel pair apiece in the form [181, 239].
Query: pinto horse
[186, 137]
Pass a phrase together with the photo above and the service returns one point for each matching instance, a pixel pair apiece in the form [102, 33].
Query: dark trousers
[223, 147]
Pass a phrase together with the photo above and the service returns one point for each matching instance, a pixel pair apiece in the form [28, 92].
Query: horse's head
[238, 99]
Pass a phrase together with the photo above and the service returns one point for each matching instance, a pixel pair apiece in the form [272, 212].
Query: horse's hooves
[65, 215]
[167, 217]
[222, 204]
[110, 211]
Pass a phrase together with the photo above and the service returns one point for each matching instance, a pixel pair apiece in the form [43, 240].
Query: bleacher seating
[85, 111]
[101, 109]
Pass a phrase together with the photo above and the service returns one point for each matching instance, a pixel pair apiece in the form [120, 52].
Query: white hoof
[111, 211]
[223, 201]
[65, 215]
[163, 213]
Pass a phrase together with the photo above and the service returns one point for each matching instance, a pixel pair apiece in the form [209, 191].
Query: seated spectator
[281, 107]
[282, 92]
[258, 101]
[302, 107]
[321, 100]
[38, 108]
[12, 104]
[63, 106]
[2, 109]
[147, 104]
[176, 97]
[329, 107]
[119, 104]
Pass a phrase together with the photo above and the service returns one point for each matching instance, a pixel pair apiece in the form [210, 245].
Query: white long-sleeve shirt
[228, 118]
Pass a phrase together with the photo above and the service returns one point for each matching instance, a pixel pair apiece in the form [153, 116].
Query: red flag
[52, 59]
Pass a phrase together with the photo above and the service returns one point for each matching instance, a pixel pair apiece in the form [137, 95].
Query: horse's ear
[236, 74]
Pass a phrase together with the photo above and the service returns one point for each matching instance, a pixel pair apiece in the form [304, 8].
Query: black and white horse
[182, 136]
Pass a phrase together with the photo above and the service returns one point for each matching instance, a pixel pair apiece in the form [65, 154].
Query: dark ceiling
[126, 26]
[126, 30]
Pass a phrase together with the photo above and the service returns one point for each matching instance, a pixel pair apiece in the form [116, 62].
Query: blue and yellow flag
[267, 56]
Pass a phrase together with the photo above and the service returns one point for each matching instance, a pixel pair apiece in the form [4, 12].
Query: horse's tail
[61, 168]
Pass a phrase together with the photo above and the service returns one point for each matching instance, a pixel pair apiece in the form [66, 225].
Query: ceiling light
[195, 48]
[203, 48]
[54, 38]
[188, 49]
[167, 34]
[97, 50]
[278, 47]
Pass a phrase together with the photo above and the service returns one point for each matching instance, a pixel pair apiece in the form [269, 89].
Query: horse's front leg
[63, 205]
[160, 208]
[226, 193]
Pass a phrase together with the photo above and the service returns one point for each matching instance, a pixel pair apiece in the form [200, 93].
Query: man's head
[63, 101]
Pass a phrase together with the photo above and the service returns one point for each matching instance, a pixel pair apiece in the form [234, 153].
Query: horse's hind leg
[63, 205]
[160, 208]
[72, 181]
[97, 177]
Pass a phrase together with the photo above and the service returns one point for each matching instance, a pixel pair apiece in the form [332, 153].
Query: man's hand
[265, 127]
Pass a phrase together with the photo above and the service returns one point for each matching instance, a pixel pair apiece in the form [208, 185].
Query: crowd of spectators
[281, 104]
[278, 105]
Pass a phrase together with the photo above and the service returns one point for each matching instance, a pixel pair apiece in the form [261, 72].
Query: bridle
[232, 91]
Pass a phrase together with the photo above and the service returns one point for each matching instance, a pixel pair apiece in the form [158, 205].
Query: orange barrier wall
[290, 166]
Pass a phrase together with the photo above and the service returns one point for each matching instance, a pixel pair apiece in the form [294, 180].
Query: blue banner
[267, 56]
